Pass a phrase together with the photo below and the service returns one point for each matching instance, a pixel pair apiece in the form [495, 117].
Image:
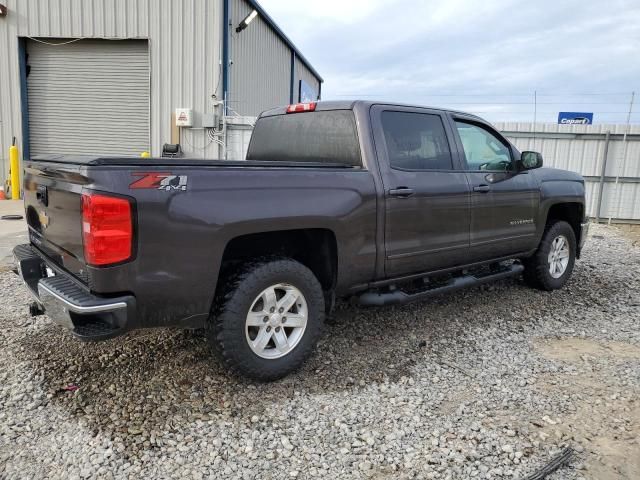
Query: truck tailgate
[53, 207]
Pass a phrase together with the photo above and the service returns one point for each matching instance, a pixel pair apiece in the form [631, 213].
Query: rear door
[426, 195]
[504, 201]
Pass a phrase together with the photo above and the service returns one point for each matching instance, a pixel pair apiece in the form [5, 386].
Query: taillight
[107, 229]
[302, 107]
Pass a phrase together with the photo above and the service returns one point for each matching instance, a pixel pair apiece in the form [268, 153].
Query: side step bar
[399, 297]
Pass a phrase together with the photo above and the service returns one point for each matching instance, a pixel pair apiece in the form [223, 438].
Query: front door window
[482, 149]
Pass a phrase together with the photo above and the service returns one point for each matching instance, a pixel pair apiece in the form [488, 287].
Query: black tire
[226, 330]
[536, 271]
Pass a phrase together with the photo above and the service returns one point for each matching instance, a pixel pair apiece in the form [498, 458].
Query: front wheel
[551, 266]
[268, 319]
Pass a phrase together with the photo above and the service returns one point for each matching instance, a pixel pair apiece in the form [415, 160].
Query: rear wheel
[551, 266]
[268, 319]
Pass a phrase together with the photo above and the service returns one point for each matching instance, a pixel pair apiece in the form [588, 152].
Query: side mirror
[530, 160]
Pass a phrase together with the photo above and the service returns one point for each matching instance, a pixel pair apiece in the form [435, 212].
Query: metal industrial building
[105, 76]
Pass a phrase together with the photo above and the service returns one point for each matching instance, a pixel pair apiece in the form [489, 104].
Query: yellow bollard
[145, 155]
[14, 165]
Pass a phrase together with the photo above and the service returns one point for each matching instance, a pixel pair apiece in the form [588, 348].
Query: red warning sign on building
[184, 117]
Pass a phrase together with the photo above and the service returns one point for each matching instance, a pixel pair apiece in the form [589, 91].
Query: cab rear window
[320, 137]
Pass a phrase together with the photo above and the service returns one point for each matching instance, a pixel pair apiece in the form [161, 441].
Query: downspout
[226, 40]
[293, 77]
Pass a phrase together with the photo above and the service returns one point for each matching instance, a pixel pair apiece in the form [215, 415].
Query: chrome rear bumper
[68, 303]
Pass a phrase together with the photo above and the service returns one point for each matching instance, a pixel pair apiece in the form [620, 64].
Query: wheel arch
[316, 248]
[571, 212]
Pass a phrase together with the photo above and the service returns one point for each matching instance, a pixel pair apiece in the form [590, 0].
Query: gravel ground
[486, 383]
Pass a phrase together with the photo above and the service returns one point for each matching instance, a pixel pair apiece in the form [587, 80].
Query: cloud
[487, 56]
[343, 12]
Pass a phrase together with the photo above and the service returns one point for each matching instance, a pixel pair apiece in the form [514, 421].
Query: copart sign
[575, 118]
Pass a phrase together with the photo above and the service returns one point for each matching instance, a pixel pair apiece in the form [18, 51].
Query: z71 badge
[159, 181]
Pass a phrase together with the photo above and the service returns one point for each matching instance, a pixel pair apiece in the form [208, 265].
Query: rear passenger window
[416, 141]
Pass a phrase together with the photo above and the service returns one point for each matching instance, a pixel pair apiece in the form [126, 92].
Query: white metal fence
[608, 156]
[238, 135]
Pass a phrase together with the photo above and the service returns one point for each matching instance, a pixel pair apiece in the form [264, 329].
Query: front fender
[559, 192]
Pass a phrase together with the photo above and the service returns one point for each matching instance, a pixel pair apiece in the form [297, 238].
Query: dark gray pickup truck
[384, 203]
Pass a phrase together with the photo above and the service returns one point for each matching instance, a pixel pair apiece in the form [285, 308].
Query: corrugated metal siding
[89, 97]
[261, 69]
[585, 155]
[303, 73]
[185, 49]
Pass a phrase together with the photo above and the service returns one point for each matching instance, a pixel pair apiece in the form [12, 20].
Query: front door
[426, 195]
[504, 200]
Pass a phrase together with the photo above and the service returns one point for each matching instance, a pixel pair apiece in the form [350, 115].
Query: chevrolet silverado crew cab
[384, 203]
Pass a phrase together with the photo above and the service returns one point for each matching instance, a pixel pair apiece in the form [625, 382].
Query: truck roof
[351, 104]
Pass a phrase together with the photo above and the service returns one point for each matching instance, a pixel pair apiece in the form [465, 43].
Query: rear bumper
[89, 317]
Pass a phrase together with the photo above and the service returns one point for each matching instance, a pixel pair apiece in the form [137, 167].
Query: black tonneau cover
[177, 162]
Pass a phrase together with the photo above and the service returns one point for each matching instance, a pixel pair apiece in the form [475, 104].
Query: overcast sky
[485, 56]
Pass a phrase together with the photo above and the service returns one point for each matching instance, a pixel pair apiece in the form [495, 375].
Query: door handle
[482, 188]
[401, 192]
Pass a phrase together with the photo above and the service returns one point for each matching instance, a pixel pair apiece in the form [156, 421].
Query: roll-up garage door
[89, 97]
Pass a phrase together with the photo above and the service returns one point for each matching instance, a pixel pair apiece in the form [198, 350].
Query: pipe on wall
[226, 44]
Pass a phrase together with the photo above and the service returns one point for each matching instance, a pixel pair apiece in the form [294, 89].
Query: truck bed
[181, 230]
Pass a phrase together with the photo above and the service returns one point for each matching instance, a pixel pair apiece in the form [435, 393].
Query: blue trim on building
[265, 16]
[226, 13]
[24, 99]
[292, 81]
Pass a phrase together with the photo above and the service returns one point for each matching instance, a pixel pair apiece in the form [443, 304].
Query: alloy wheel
[276, 321]
[558, 258]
